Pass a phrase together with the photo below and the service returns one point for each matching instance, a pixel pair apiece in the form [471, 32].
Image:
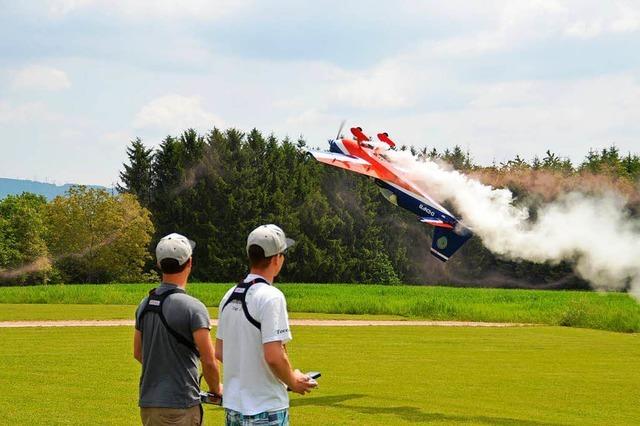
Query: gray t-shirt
[169, 376]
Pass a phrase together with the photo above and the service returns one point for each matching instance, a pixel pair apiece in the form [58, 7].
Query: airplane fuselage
[397, 191]
[414, 203]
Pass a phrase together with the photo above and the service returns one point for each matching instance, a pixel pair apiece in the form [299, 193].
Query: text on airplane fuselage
[426, 210]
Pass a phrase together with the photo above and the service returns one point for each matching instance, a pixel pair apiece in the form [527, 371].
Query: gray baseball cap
[175, 246]
[271, 238]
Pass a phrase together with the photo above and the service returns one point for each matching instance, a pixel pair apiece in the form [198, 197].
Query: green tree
[137, 175]
[458, 159]
[517, 164]
[23, 251]
[631, 164]
[168, 172]
[554, 163]
[608, 161]
[96, 237]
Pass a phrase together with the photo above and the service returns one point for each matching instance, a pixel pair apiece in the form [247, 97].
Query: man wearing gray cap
[253, 327]
[172, 332]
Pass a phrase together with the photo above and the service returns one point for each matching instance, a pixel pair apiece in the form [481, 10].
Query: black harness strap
[154, 304]
[240, 294]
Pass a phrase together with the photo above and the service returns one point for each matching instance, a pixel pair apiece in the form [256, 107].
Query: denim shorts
[268, 418]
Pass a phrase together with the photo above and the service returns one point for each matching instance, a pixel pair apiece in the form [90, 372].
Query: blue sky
[80, 78]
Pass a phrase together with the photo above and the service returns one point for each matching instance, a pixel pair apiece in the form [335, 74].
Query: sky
[80, 79]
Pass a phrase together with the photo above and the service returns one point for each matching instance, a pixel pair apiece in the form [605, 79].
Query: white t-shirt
[250, 387]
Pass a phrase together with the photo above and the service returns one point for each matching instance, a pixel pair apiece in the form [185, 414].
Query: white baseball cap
[271, 238]
[175, 246]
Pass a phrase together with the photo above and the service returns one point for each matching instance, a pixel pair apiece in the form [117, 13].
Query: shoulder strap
[240, 294]
[154, 304]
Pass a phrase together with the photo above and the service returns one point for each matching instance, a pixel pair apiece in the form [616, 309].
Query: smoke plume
[594, 232]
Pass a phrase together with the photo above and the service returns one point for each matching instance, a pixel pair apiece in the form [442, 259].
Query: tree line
[216, 187]
[85, 236]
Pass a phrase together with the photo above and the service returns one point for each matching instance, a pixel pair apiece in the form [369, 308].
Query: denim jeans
[268, 418]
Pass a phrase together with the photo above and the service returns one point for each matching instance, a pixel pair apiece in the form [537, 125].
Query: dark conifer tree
[137, 175]
[167, 174]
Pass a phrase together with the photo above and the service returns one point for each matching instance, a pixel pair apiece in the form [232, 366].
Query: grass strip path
[304, 322]
[37, 312]
[610, 311]
[370, 376]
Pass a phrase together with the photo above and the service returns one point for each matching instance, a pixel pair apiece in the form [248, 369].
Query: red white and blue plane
[364, 156]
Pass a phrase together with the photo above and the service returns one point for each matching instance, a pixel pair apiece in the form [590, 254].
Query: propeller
[340, 129]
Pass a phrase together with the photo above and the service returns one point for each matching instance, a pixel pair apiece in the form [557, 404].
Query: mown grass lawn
[606, 311]
[371, 376]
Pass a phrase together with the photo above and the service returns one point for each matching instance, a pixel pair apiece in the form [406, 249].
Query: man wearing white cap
[172, 332]
[253, 327]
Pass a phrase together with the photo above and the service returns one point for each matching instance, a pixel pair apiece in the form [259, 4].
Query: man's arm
[219, 348]
[210, 369]
[276, 357]
[137, 346]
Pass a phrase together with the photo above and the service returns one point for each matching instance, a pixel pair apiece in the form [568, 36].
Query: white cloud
[623, 17]
[524, 22]
[174, 113]
[62, 7]
[385, 86]
[389, 85]
[313, 116]
[627, 21]
[117, 137]
[144, 9]
[26, 113]
[37, 77]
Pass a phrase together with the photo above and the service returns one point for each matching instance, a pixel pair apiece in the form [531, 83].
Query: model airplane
[364, 156]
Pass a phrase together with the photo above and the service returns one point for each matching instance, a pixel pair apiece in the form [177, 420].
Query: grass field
[371, 376]
[610, 311]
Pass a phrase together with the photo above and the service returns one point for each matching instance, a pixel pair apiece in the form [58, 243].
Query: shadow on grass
[409, 414]
[325, 401]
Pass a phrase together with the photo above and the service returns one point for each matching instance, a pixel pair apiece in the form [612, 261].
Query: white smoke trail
[595, 233]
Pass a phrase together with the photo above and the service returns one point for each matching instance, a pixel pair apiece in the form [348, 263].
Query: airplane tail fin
[447, 241]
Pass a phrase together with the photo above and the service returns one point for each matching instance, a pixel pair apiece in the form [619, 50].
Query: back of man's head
[173, 253]
[270, 238]
[257, 259]
[171, 266]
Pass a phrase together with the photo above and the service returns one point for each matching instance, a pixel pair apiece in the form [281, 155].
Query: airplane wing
[346, 162]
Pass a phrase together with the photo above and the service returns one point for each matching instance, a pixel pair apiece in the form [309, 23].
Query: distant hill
[49, 190]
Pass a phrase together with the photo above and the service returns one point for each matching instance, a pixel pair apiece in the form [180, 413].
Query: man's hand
[301, 383]
[276, 357]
